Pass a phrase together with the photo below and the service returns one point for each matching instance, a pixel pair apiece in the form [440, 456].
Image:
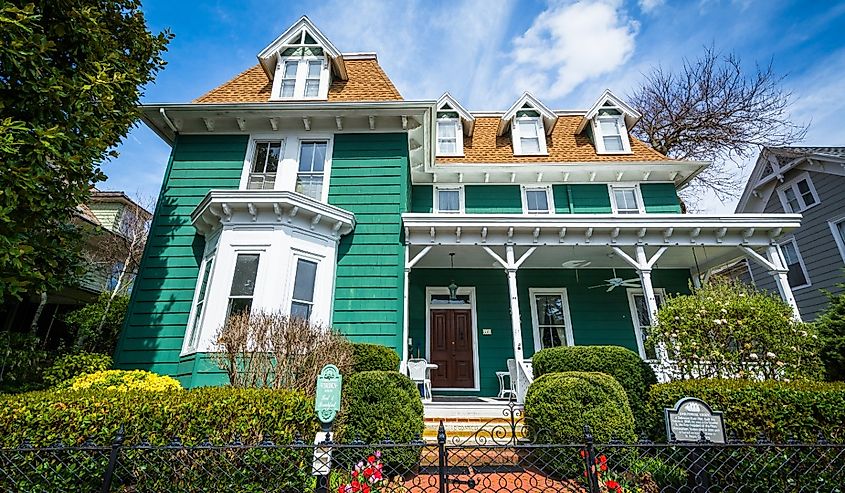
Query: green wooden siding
[598, 317]
[563, 204]
[422, 198]
[589, 199]
[660, 198]
[369, 279]
[161, 298]
[492, 199]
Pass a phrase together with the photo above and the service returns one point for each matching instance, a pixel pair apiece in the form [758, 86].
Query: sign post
[327, 405]
[692, 420]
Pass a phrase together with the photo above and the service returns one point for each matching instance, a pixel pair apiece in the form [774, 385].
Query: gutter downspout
[167, 120]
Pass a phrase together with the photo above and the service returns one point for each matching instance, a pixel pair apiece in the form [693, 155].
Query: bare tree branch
[713, 110]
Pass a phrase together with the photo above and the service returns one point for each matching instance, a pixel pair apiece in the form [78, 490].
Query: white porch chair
[510, 390]
[418, 372]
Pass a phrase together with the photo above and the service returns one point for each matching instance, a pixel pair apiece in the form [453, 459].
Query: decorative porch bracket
[406, 330]
[774, 264]
[643, 266]
[511, 264]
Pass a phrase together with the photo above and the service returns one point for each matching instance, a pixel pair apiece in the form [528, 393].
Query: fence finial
[441, 433]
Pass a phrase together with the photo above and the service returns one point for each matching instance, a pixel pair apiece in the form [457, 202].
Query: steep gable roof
[453, 105]
[607, 98]
[527, 100]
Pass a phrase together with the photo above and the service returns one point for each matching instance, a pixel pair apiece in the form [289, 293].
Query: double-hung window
[449, 137]
[798, 195]
[610, 132]
[242, 291]
[288, 86]
[302, 301]
[551, 318]
[447, 199]
[625, 200]
[642, 322]
[312, 160]
[301, 78]
[199, 305]
[536, 200]
[312, 79]
[528, 136]
[797, 275]
[265, 165]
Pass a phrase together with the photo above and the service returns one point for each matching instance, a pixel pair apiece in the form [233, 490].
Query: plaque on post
[327, 405]
[691, 420]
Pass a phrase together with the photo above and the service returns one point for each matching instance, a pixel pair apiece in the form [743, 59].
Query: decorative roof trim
[549, 116]
[632, 116]
[466, 116]
[267, 56]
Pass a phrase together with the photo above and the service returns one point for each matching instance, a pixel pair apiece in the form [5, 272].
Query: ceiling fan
[617, 282]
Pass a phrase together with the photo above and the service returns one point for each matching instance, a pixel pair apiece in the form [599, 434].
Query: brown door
[451, 349]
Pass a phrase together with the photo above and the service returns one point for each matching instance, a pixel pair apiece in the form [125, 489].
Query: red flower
[583, 453]
[612, 485]
[603, 458]
[371, 459]
[603, 467]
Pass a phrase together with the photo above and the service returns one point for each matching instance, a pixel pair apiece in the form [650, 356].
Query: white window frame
[289, 161]
[837, 236]
[623, 133]
[549, 198]
[637, 194]
[793, 184]
[459, 136]
[517, 142]
[458, 188]
[301, 76]
[324, 191]
[635, 319]
[792, 240]
[535, 316]
[251, 155]
[295, 257]
[194, 328]
[462, 291]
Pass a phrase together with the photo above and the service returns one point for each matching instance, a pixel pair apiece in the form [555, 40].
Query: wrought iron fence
[489, 461]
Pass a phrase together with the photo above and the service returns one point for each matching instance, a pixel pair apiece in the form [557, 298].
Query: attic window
[610, 132]
[527, 132]
[302, 71]
[450, 132]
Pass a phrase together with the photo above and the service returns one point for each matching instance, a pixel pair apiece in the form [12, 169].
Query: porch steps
[476, 423]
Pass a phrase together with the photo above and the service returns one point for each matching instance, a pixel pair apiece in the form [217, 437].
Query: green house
[307, 185]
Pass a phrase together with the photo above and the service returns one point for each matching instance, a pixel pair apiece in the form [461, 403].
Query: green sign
[328, 393]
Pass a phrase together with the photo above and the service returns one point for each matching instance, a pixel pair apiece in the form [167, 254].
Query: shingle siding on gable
[815, 243]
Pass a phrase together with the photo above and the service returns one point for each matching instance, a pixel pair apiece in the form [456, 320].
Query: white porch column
[511, 265]
[775, 265]
[406, 325]
[644, 271]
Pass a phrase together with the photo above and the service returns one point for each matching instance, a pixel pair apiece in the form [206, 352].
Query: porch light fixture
[453, 288]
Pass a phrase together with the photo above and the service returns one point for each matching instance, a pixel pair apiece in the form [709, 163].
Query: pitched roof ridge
[224, 84]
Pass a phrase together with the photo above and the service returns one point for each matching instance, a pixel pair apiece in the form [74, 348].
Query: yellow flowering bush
[122, 380]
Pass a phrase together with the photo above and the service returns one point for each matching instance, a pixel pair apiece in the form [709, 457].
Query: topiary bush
[379, 405]
[71, 365]
[219, 414]
[781, 410]
[635, 375]
[374, 357]
[121, 380]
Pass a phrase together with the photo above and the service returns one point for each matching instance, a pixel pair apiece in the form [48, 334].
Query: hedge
[379, 405]
[373, 357]
[71, 365]
[635, 375]
[780, 410]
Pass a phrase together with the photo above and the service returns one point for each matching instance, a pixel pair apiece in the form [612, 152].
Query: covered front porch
[480, 291]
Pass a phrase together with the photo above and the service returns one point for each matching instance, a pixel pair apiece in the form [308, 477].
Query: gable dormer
[529, 121]
[609, 121]
[453, 122]
[301, 63]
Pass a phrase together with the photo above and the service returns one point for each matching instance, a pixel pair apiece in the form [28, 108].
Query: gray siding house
[809, 181]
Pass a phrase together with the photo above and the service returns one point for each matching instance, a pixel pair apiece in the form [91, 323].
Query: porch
[481, 290]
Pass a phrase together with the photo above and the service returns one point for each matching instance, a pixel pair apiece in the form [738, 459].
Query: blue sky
[487, 52]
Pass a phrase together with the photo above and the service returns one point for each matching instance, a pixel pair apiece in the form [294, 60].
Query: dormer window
[529, 122]
[451, 121]
[611, 134]
[302, 71]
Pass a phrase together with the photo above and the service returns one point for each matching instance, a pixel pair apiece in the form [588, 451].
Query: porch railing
[524, 378]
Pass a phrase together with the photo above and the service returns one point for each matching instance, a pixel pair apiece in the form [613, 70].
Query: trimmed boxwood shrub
[635, 375]
[781, 410]
[71, 365]
[379, 405]
[374, 357]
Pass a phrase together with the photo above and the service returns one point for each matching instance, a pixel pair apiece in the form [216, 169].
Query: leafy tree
[714, 109]
[71, 77]
[832, 331]
[95, 326]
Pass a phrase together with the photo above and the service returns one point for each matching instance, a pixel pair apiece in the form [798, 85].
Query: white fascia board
[632, 116]
[267, 56]
[599, 229]
[466, 116]
[549, 116]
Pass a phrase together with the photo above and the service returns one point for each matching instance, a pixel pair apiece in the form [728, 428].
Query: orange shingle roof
[366, 82]
[563, 145]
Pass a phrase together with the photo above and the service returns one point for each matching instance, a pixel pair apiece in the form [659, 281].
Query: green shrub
[71, 365]
[831, 327]
[95, 326]
[217, 413]
[635, 375]
[727, 329]
[378, 405]
[122, 381]
[374, 357]
[781, 410]
[22, 360]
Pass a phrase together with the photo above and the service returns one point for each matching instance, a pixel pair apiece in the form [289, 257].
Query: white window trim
[635, 320]
[623, 133]
[289, 160]
[189, 329]
[318, 302]
[549, 198]
[301, 75]
[429, 291]
[251, 154]
[793, 184]
[541, 136]
[535, 316]
[459, 136]
[637, 193]
[324, 196]
[792, 240]
[436, 199]
[834, 229]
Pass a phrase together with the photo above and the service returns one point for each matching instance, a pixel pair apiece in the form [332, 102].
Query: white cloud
[649, 5]
[570, 43]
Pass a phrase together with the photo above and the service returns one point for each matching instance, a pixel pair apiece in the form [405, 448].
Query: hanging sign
[327, 403]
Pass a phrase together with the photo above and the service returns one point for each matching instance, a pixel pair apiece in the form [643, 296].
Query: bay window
[242, 292]
[302, 300]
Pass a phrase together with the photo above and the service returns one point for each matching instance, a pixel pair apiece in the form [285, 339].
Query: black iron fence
[494, 463]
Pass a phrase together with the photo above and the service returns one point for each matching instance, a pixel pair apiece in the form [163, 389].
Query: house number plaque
[327, 403]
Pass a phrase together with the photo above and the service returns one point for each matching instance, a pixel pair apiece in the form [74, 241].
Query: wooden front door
[451, 349]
